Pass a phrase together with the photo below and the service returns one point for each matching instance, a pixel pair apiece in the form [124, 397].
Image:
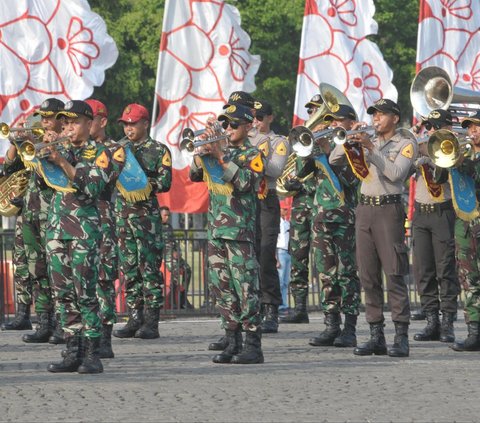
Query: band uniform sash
[463, 195]
[132, 183]
[52, 174]
[321, 162]
[435, 190]
[356, 158]
[212, 175]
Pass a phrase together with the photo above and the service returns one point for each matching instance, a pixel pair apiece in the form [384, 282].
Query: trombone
[30, 151]
[446, 149]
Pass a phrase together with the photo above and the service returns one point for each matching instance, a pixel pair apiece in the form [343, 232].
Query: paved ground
[173, 379]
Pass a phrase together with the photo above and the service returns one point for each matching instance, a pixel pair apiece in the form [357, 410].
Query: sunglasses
[429, 126]
[259, 118]
[233, 125]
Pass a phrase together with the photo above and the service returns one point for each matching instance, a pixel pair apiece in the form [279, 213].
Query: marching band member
[379, 226]
[233, 177]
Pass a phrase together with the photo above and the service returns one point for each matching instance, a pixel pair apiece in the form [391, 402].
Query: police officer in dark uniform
[379, 227]
[433, 231]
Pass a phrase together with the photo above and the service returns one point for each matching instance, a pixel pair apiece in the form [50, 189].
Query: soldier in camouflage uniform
[334, 242]
[139, 229]
[175, 263]
[467, 237]
[108, 245]
[301, 232]
[233, 267]
[73, 238]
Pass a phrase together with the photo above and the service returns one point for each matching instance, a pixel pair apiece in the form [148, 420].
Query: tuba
[11, 187]
[303, 140]
[432, 89]
[445, 148]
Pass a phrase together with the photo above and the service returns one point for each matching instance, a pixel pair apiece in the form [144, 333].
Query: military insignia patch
[434, 115]
[335, 108]
[235, 97]
[264, 148]
[230, 109]
[102, 160]
[257, 164]
[89, 153]
[127, 110]
[257, 105]
[119, 155]
[167, 159]
[281, 149]
[68, 105]
[408, 151]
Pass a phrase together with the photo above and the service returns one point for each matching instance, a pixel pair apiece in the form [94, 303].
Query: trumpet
[341, 136]
[191, 144]
[29, 150]
[304, 141]
[6, 130]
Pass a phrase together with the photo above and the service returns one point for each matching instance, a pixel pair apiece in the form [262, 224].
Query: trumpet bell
[27, 151]
[445, 149]
[187, 145]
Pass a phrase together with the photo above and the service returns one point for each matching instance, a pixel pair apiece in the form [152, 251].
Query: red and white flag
[335, 49]
[449, 37]
[50, 48]
[203, 58]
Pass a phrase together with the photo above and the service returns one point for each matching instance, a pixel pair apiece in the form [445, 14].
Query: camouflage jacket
[75, 215]
[232, 216]
[472, 168]
[156, 161]
[303, 199]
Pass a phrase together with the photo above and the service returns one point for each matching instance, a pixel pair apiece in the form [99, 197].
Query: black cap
[240, 98]
[237, 113]
[438, 118]
[385, 105]
[76, 108]
[50, 107]
[475, 119]
[341, 111]
[315, 101]
[262, 108]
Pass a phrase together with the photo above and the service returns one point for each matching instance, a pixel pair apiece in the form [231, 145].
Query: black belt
[432, 208]
[380, 200]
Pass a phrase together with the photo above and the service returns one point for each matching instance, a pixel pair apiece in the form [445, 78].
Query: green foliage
[275, 29]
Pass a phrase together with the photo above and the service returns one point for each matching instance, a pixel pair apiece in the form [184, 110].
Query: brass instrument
[446, 149]
[433, 89]
[36, 130]
[341, 136]
[191, 144]
[11, 187]
[29, 150]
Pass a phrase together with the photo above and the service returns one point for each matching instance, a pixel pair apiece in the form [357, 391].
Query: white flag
[203, 58]
[334, 49]
[50, 48]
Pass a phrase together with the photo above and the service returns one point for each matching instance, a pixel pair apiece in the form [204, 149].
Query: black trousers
[270, 228]
[434, 264]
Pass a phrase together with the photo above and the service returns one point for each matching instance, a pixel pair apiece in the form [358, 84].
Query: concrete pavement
[173, 379]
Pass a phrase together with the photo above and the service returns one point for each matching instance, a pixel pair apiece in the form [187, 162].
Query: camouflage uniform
[301, 236]
[233, 267]
[73, 238]
[139, 230]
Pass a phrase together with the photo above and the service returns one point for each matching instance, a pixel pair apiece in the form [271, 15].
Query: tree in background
[275, 28]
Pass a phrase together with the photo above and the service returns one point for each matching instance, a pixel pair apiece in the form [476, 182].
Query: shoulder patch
[257, 163]
[167, 159]
[89, 153]
[102, 160]
[408, 151]
[119, 155]
[281, 149]
[264, 148]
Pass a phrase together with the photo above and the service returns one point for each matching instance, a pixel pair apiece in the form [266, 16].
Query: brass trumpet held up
[36, 130]
[29, 150]
[191, 143]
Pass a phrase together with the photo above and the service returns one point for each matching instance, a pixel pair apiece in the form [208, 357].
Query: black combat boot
[234, 347]
[472, 343]
[72, 359]
[106, 342]
[43, 331]
[149, 329]
[432, 330]
[332, 330]
[400, 347]
[91, 362]
[135, 320]
[447, 333]
[58, 336]
[252, 351]
[300, 314]
[270, 321]
[22, 319]
[220, 345]
[347, 337]
[376, 344]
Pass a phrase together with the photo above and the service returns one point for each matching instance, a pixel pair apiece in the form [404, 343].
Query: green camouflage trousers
[73, 267]
[34, 238]
[467, 240]
[140, 257]
[334, 254]
[233, 274]
[299, 246]
[23, 282]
